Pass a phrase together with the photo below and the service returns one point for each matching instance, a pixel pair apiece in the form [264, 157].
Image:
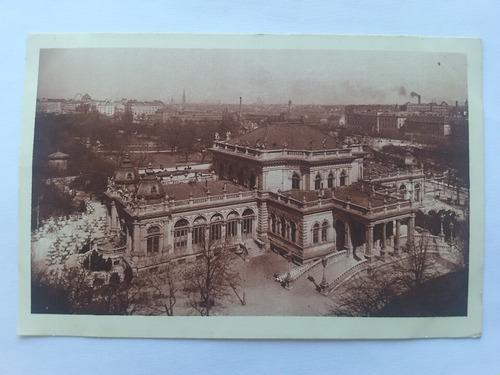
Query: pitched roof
[290, 136]
[199, 189]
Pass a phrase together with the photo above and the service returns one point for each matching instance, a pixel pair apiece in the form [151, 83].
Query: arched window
[180, 234]
[232, 224]
[324, 232]
[273, 223]
[221, 170]
[241, 177]
[153, 240]
[252, 180]
[248, 216]
[316, 233]
[283, 227]
[199, 226]
[295, 181]
[216, 227]
[230, 173]
[293, 230]
[343, 178]
[417, 193]
[330, 180]
[317, 182]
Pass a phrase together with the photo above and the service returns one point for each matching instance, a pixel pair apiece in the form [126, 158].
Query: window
[283, 227]
[248, 216]
[252, 181]
[316, 233]
[232, 224]
[273, 223]
[216, 227]
[199, 230]
[293, 228]
[153, 240]
[330, 180]
[343, 178]
[317, 182]
[324, 232]
[295, 181]
[180, 234]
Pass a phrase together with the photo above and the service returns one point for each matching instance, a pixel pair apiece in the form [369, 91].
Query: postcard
[251, 186]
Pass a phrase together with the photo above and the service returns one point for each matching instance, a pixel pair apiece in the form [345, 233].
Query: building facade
[282, 187]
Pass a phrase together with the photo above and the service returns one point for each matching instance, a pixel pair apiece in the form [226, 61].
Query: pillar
[262, 223]
[190, 240]
[348, 243]
[411, 231]
[397, 246]
[238, 229]
[369, 243]
[136, 243]
[383, 248]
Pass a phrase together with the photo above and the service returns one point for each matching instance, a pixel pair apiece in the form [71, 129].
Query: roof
[354, 192]
[199, 189]
[289, 136]
[58, 156]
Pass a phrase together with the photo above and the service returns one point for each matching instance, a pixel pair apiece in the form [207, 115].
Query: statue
[217, 136]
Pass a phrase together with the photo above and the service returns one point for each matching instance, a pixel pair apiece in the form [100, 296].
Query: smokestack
[240, 106]
[419, 99]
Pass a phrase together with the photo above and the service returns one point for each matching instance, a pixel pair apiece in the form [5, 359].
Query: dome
[126, 173]
[150, 187]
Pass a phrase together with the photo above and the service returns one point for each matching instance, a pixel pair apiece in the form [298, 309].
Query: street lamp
[324, 283]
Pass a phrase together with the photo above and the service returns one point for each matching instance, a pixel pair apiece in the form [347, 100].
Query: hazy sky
[274, 76]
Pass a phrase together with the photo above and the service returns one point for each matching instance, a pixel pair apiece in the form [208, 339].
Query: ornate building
[282, 187]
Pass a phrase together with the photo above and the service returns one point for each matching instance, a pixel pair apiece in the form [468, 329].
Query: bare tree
[159, 297]
[363, 295]
[417, 264]
[366, 293]
[212, 279]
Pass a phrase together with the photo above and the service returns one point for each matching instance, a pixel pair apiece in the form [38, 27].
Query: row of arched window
[238, 177]
[280, 227]
[318, 180]
[320, 229]
[214, 227]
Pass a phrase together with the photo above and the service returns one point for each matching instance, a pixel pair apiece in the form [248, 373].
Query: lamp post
[324, 283]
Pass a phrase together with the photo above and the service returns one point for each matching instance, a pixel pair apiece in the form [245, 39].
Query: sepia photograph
[326, 179]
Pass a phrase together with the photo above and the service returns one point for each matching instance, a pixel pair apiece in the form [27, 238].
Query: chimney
[240, 106]
[419, 99]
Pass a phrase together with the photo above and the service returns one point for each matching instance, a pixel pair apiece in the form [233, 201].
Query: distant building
[140, 109]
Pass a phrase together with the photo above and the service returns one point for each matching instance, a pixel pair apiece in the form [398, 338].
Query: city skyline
[210, 76]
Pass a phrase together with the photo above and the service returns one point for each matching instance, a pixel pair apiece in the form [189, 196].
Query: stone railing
[391, 176]
[173, 203]
[285, 153]
[296, 273]
[359, 267]
[347, 205]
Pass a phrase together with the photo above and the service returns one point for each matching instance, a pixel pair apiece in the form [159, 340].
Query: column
[397, 247]
[334, 238]
[369, 243]
[383, 247]
[238, 229]
[411, 231]
[136, 244]
[262, 223]
[348, 243]
[190, 240]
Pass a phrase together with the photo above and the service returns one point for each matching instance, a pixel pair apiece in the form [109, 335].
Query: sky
[273, 76]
